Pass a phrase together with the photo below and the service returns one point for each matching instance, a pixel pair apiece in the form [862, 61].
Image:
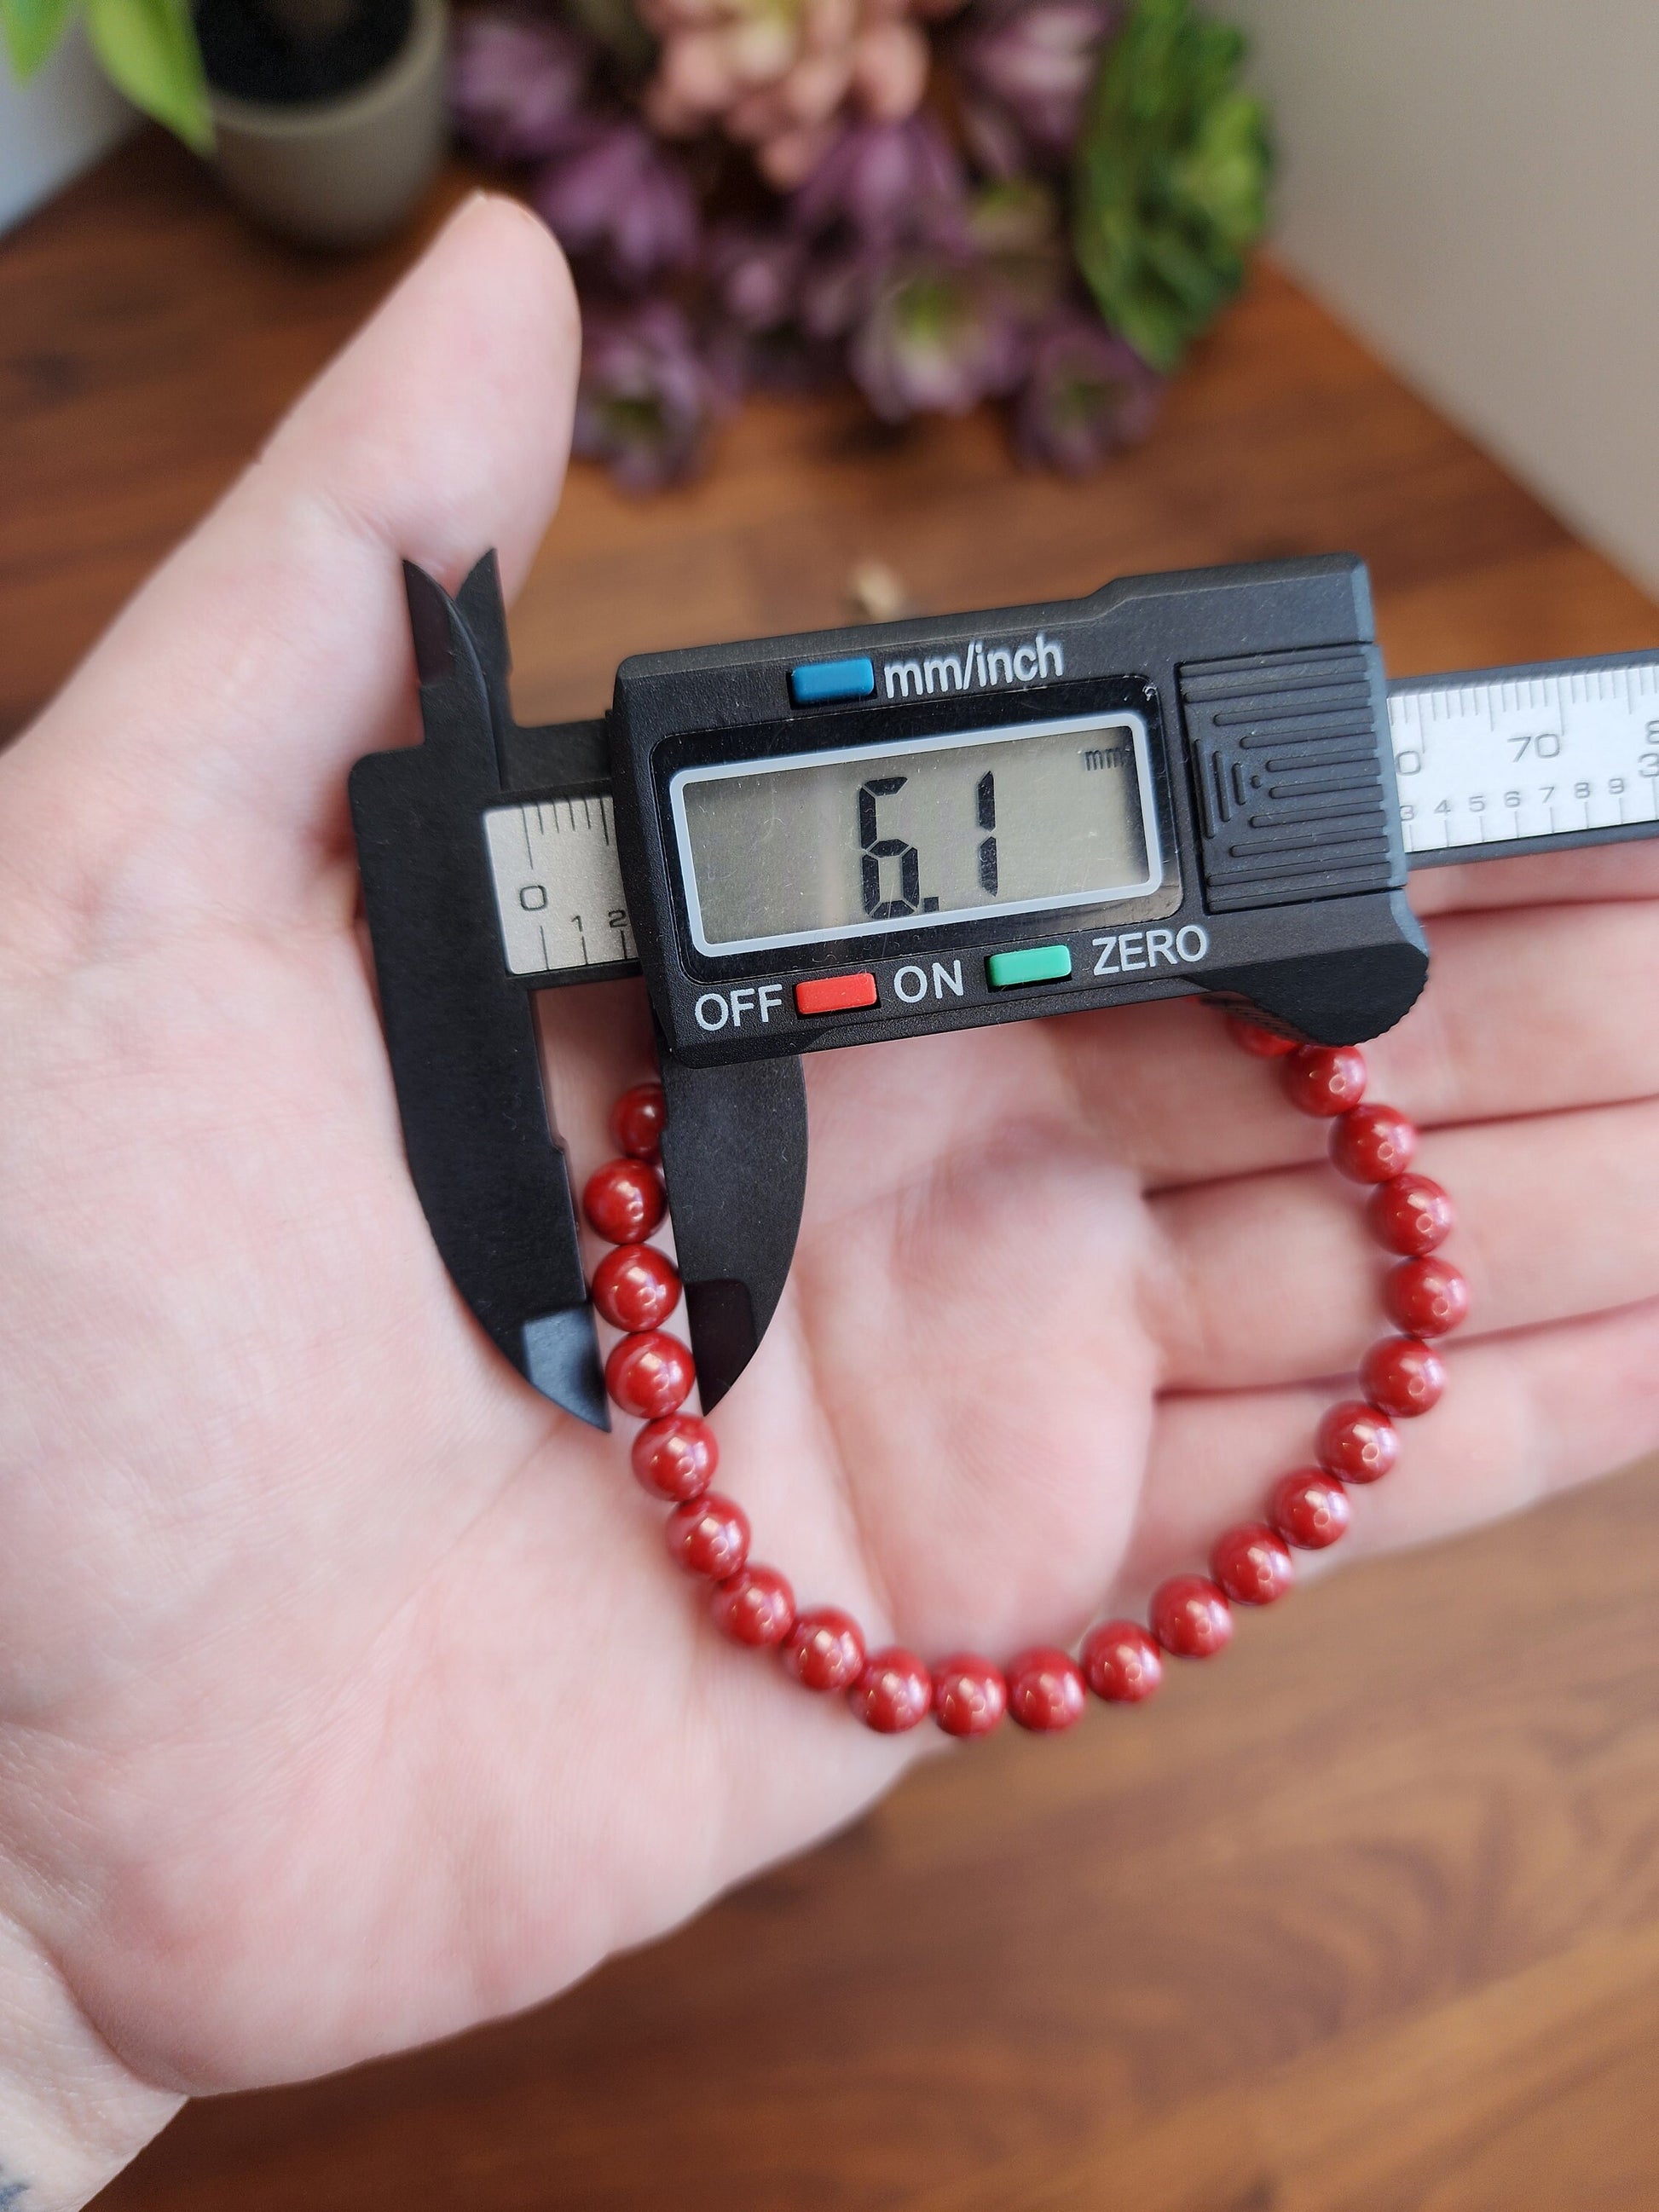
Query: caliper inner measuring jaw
[1198, 783]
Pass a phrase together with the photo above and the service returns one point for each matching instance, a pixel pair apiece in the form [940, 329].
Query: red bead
[1325, 1079]
[755, 1606]
[1410, 1214]
[1370, 1144]
[1260, 1043]
[676, 1458]
[1190, 1617]
[893, 1692]
[636, 1120]
[649, 1374]
[1252, 1565]
[1121, 1663]
[969, 1695]
[1309, 1508]
[708, 1536]
[1426, 1296]
[1354, 1442]
[1402, 1375]
[624, 1200]
[824, 1650]
[1045, 1690]
[636, 1286]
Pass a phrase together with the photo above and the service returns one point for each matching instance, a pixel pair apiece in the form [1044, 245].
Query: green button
[1033, 964]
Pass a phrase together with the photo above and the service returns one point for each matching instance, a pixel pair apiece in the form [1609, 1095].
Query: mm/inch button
[836, 995]
[1032, 964]
[819, 683]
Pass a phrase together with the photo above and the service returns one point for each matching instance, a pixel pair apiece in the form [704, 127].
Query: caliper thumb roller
[1182, 785]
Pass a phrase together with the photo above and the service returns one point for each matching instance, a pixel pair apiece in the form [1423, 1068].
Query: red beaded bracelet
[675, 1455]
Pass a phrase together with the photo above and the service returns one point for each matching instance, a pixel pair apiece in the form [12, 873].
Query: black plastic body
[1326, 948]
[460, 1031]
[1263, 699]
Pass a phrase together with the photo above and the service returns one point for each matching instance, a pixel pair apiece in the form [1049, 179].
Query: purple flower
[939, 338]
[889, 185]
[1087, 393]
[839, 287]
[646, 396]
[623, 197]
[516, 84]
[1026, 67]
[756, 276]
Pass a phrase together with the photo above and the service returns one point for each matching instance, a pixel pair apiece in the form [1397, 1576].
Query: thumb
[196, 764]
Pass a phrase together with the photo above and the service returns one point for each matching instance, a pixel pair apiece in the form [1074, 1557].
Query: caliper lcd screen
[875, 838]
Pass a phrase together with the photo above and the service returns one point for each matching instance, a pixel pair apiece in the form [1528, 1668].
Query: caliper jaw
[734, 1157]
[460, 1031]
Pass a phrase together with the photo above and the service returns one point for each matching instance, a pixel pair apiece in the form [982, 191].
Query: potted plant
[324, 117]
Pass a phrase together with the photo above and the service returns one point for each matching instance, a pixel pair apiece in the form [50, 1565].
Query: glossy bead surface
[1370, 1144]
[1402, 1376]
[1190, 1617]
[1309, 1508]
[755, 1606]
[649, 1374]
[636, 1120]
[1121, 1663]
[1260, 1043]
[969, 1695]
[676, 1458]
[636, 1286]
[623, 1200]
[708, 1536]
[1426, 1296]
[893, 1692]
[1252, 1565]
[1325, 1079]
[1354, 1442]
[1409, 1214]
[825, 1649]
[1045, 1690]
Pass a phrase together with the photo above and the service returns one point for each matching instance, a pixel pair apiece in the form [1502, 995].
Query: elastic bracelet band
[650, 1373]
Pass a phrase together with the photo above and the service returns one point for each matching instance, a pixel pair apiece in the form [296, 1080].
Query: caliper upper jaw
[734, 1157]
[460, 1032]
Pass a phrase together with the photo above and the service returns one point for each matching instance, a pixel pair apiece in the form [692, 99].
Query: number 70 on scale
[1527, 759]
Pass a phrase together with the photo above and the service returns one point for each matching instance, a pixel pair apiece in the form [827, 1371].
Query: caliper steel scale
[1184, 784]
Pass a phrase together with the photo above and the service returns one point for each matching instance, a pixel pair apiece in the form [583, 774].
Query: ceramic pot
[344, 172]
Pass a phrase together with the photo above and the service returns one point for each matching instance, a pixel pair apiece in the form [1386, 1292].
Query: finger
[1522, 1416]
[1563, 878]
[1524, 1013]
[198, 758]
[1273, 1279]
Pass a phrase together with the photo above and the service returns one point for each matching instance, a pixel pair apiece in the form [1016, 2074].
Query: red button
[834, 994]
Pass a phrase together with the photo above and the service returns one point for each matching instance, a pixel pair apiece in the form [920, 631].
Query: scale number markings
[1512, 757]
[558, 884]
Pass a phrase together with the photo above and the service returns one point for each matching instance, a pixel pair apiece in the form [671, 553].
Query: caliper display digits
[870, 840]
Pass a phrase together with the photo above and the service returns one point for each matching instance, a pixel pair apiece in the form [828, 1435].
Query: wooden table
[1367, 1918]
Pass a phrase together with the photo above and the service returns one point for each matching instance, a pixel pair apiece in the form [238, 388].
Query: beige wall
[53, 127]
[1473, 186]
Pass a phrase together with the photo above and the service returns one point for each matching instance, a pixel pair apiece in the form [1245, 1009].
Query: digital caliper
[1183, 784]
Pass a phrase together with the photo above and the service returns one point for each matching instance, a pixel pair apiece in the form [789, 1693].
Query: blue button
[819, 682]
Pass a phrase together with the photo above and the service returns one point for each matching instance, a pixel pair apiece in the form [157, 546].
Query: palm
[375, 1701]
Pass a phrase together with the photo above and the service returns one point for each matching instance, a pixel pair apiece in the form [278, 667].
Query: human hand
[346, 1694]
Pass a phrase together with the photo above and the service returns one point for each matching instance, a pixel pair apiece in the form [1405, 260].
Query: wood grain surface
[1367, 1917]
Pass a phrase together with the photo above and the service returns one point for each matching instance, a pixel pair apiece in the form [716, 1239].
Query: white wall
[1473, 185]
[64, 118]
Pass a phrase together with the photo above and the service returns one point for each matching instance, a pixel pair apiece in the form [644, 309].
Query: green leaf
[1170, 178]
[149, 50]
[33, 28]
